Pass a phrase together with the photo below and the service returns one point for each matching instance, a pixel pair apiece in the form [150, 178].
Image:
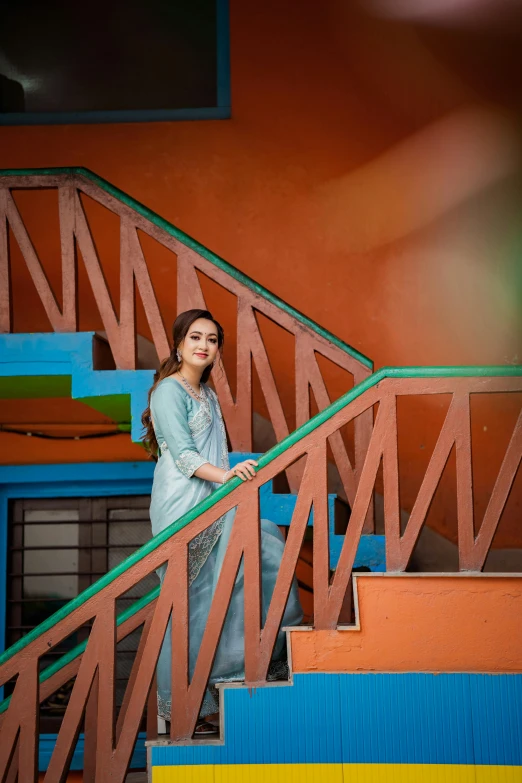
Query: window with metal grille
[57, 548]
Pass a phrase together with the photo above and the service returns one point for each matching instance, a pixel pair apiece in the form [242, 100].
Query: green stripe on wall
[34, 386]
[115, 406]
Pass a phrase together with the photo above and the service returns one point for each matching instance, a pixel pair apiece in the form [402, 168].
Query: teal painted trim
[296, 436]
[101, 117]
[223, 54]
[66, 480]
[197, 247]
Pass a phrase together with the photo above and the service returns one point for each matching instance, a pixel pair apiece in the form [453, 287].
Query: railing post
[187, 698]
[399, 549]
[465, 516]
[315, 462]
[142, 689]
[5, 272]
[362, 434]
[90, 733]
[84, 699]
[134, 273]
[29, 727]
[252, 585]
[12, 775]
[19, 730]
[321, 557]
[242, 414]
[473, 558]
[330, 600]
[66, 195]
[115, 335]
[390, 474]
[106, 691]
[9, 209]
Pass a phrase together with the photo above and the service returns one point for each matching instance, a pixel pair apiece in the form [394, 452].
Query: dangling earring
[178, 356]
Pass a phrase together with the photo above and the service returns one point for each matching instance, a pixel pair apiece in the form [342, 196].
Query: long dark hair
[170, 365]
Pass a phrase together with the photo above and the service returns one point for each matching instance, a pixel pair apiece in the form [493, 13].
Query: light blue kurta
[190, 434]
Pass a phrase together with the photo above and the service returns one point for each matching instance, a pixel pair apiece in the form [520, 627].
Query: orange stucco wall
[422, 624]
[369, 176]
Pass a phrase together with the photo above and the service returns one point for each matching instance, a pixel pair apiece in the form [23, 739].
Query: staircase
[302, 723]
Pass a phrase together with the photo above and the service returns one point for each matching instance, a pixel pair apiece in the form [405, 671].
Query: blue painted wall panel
[49, 347]
[496, 707]
[413, 719]
[368, 719]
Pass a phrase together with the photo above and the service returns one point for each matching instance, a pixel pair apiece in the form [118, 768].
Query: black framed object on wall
[113, 61]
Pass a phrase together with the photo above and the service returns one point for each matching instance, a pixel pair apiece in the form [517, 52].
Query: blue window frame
[97, 479]
[61, 481]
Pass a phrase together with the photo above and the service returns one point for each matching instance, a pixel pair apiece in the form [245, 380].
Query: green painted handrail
[230, 486]
[157, 220]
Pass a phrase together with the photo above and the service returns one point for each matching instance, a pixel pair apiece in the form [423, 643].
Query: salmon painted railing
[191, 257]
[110, 738]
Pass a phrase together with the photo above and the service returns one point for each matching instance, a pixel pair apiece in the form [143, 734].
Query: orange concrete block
[417, 623]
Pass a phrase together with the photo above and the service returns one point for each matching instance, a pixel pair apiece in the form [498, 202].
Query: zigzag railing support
[110, 738]
[190, 258]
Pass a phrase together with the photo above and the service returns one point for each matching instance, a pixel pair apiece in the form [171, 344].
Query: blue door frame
[94, 479]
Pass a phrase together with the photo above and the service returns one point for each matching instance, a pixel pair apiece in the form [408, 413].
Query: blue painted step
[63, 356]
[280, 507]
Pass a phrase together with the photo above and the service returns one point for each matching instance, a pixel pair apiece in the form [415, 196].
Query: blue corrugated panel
[496, 707]
[411, 719]
[278, 723]
[368, 718]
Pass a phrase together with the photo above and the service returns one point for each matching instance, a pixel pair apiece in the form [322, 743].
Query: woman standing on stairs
[185, 432]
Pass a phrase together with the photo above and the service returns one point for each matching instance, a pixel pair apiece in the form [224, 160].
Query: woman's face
[200, 346]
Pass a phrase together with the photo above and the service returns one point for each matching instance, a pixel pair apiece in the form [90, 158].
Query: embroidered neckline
[203, 417]
[203, 388]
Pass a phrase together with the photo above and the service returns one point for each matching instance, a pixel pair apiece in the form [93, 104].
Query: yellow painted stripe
[277, 773]
[193, 774]
[337, 773]
[498, 774]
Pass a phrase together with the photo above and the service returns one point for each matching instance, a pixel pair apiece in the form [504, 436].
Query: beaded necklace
[191, 388]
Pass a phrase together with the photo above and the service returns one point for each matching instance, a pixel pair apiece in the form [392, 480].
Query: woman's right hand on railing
[244, 470]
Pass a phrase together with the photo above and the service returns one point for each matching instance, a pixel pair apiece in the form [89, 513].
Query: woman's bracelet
[225, 476]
